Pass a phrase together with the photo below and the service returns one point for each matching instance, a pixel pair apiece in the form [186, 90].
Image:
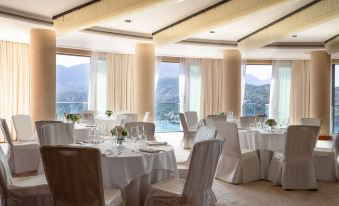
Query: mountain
[76, 73]
[250, 79]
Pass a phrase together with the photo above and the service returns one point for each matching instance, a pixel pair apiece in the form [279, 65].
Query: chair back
[183, 122]
[300, 142]
[58, 134]
[39, 125]
[89, 117]
[245, 121]
[148, 127]
[6, 133]
[23, 127]
[229, 131]
[204, 133]
[311, 121]
[146, 117]
[192, 120]
[119, 119]
[336, 154]
[203, 165]
[5, 175]
[74, 175]
[211, 119]
[131, 117]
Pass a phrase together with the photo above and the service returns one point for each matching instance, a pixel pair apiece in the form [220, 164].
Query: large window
[257, 90]
[335, 98]
[72, 83]
[167, 98]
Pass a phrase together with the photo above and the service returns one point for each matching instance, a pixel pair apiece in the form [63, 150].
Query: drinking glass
[134, 135]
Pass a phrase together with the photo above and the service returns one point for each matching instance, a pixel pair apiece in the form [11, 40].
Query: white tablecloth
[133, 172]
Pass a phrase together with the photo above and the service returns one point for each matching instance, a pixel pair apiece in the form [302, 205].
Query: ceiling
[149, 20]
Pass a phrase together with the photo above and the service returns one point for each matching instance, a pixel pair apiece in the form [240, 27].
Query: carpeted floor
[261, 193]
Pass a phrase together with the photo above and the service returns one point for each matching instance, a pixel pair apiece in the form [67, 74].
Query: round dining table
[133, 170]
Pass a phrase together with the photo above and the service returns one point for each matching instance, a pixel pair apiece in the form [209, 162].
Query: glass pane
[336, 100]
[72, 83]
[257, 89]
[167, 98]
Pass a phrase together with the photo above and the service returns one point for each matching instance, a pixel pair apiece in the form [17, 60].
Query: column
[144, 79]
[320, 89]
[232, 82]
[43, 74]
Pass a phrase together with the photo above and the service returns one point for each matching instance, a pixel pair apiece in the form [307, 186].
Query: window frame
[333, 98]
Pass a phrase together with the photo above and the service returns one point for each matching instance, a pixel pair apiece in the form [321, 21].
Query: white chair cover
[23, 127]
[197, 189]
[25, 191]
[245, 121]
[88, 116]
[203, 133]
[75, 177]
[146, 117]
[187, 140]
[294, 169]
[192, 120]
[58, 134]
[130, 117]
[211, 119]
[40, 124]
[336, 149]
[236, 166]
[148, 127]
[22, 156]
[311, 121]
[120, 118]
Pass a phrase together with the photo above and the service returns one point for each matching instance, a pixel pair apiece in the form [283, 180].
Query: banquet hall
[169, 102]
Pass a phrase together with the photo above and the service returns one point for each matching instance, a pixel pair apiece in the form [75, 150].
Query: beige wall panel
[144, 79]
[320, 91]
[43, 74]
[232, 82]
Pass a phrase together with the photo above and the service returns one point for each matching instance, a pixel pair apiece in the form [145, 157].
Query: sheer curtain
[156, 76]
[300, 91]
[280, 91]
[190, 84]
[120, 82]
[212, 94]
[14, 81]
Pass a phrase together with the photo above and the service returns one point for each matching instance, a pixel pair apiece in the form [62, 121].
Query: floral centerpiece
[72, 117]
[109, 113]
[271, 123]
[120, 132]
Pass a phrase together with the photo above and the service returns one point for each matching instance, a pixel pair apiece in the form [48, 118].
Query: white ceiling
[155, 18]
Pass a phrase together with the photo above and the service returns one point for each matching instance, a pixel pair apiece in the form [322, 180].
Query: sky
[68, 61]
[262, 72]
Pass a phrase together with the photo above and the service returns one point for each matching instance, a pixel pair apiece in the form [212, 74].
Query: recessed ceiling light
[294, 36]
[128, 21]
[212, 32]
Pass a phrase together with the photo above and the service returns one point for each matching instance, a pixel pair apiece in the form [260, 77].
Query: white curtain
[156, 74]
[190, 84]
[243, 81]
[280, 91]
[14, 81]
[120, 82]
[93, 83]
[300, 91]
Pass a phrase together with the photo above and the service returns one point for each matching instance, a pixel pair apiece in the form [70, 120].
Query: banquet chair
[75, 178]
[146, 117]
[22, 156]
[23, 127]
[192, 120]
[196, 190]
[120, 118]
[246, 121]
[57, 134]
[237, 166]
[294, 168]
[89, 117]
[311, 121]
[130, 117]
[203, 133]
[39, 125]
[148, 127]
[23, 191]
[211, 119]
[187, 140]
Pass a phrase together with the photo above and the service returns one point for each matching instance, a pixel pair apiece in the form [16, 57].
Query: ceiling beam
[313, 14]
[75, 8]
[224, 13]
[99, 11]
[332, 44]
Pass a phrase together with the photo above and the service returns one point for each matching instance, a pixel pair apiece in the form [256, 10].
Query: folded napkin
[155, 143]
[149, 150]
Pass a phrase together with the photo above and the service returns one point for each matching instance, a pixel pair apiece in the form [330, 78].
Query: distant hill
[250, 79]
[72, 83]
